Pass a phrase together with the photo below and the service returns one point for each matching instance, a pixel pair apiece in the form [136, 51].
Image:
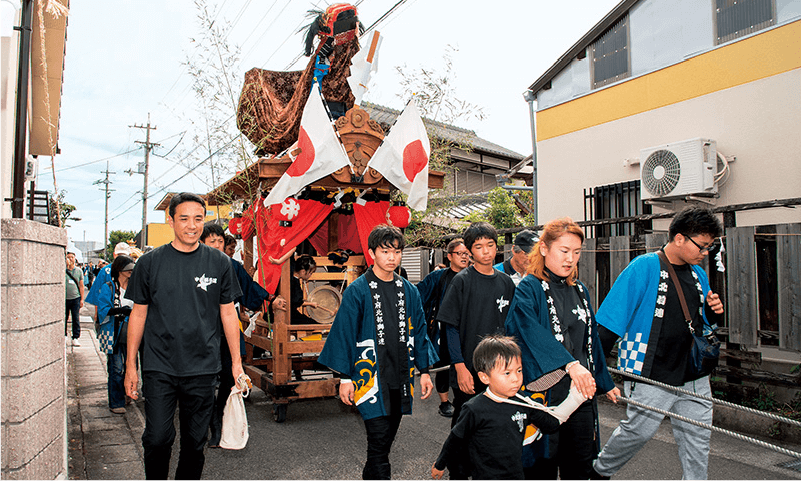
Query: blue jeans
[116, 377]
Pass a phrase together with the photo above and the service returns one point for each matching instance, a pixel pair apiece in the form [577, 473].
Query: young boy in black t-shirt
[492, 427]
[475, 305]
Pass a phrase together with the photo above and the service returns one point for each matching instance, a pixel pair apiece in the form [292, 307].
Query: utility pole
[144, 170]
[108, 194]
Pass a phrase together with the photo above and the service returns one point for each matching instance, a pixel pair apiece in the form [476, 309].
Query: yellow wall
[756, 122]
[159, 234]
[763, 55]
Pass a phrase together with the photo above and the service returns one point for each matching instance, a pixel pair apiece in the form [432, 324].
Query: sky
[125, 60]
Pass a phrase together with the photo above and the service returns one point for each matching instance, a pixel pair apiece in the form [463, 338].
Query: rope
[775, 417]
[713, 428]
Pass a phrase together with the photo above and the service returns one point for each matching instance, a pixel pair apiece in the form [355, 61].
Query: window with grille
[611, 202]
[610, 55]
[471, 182]
[737, 18]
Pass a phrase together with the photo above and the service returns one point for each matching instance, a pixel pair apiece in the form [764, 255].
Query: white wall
[661, 33]
[756, 122]
[9, 52]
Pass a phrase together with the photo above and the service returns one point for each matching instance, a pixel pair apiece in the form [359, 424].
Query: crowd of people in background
[518, 343]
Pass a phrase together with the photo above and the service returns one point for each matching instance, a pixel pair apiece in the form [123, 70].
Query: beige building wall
[757, 122]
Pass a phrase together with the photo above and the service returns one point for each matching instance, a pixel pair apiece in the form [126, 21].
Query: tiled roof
[386, 115]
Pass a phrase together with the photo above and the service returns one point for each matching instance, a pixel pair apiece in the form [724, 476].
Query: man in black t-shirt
[180, 291]
[432, 291]
[643, 308]
[474, 306]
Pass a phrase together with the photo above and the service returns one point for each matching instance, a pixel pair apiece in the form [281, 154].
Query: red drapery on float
[305, 217]
[348, 236]
[369, 215]
[276, 240]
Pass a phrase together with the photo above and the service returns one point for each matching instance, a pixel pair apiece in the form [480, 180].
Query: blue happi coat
[351, 345]
[629, 309]
[529, 323]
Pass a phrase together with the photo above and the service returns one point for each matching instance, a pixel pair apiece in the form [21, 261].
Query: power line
[366, 31]
[183, 71]
[237, 18]
[96, 161]
[258, 24]
[175, 147]
[179, 178]
[256, 43]
[148, 147]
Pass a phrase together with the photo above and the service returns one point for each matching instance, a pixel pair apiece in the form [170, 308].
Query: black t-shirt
[391, 368]
[477, 305]
[183, 292]
[295, 293]
[570, 310]
[493, 433]
[670, 357]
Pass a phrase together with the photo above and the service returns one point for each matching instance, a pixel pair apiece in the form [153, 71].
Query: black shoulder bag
[77, 284]
[705, 351]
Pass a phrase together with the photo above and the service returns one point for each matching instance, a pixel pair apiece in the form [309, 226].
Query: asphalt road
[323, 439]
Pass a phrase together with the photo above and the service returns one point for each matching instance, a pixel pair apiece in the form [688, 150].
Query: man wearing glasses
[643, 308]
[432, 291]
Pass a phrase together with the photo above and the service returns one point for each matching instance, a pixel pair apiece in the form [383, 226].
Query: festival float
[326, 173]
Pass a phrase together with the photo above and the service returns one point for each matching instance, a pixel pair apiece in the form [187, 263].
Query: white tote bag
[235, 421]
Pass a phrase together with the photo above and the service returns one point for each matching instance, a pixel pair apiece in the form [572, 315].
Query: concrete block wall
[34, 387]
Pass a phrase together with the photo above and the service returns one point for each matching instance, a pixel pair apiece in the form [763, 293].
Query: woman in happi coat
[553, 321]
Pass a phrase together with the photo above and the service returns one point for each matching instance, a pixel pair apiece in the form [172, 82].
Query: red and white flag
[321, 152]
[403, 157]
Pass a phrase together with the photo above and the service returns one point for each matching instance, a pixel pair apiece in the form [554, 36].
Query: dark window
[610, 55]
[611, 202]
[737, 18]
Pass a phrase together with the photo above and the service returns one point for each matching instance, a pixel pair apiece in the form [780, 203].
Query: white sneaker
[76, 343]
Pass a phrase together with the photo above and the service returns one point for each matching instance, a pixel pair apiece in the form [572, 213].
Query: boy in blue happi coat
[377, 339]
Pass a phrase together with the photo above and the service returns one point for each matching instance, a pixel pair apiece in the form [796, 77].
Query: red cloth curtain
[276, 240]
[368, 216]
[348, 236]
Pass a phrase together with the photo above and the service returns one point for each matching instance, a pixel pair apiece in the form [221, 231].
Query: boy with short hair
[377, 339]
[475, 305]
[493, 428]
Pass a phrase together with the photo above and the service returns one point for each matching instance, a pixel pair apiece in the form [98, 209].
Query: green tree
[502, 213]
[63, 208]
[115, 237]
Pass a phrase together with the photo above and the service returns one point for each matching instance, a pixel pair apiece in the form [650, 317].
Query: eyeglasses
[460, 254]
[704, 249]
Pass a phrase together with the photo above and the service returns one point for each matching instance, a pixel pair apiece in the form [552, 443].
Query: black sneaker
[446, 409]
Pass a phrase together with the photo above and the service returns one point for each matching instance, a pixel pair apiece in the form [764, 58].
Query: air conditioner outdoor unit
[678, 169]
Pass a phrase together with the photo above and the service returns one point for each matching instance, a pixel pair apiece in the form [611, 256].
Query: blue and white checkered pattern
[106, 338]
[631, 354]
